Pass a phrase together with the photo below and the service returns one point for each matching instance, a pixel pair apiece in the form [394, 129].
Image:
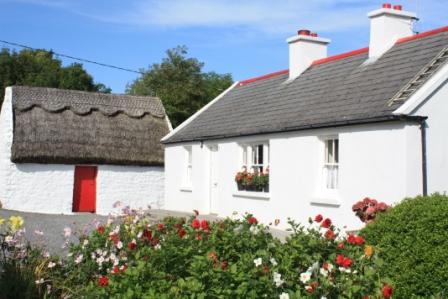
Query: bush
[133, 257]
[412, 239]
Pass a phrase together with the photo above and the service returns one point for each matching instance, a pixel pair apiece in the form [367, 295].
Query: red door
[84, 191]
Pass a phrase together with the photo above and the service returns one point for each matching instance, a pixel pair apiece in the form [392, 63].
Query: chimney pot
[398, 7]
[314, 34]
[304, 32]
[387, 5]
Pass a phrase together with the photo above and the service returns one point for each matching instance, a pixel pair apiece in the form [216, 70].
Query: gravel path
[53, 225]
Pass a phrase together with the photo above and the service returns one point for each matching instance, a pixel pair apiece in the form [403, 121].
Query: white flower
[258, 262]
[85, 243]
[39, 232]
[119, 245]
[323, 272]
[329, 267]
[78, 259]
[139, 235]
[158, 247]
[254, 229]
[305, 277]
[344, 270]
[69, 254]
[40, 281]
[284, 296]
[100, 260]
[278, 279]
[323, 297]
[46, 254]
[109, 221]
[51, 265]
[9, 239]
[67, 232]
[273, 262]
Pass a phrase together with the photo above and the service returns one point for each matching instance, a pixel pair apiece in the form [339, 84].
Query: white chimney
[304, 48]
[387, 25]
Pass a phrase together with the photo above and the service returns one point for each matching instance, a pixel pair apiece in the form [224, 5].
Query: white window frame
[188, 167]
[330, 169]
[250, 156]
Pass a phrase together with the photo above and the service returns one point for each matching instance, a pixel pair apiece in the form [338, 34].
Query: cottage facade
[330, 130]
[67, 151]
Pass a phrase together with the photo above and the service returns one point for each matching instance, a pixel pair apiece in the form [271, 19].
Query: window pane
[260, 154]
[330, 151]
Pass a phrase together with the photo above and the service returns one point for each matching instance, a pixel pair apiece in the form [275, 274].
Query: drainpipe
[424, 160]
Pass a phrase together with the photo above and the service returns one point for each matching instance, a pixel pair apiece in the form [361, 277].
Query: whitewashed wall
[435, 107]
[381, 161]
[49, 188]
[138, 187]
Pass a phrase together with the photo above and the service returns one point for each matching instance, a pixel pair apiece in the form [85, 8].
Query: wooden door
[84, 191]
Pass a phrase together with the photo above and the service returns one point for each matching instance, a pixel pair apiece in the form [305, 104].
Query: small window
[256, 157]
[188, 166]
[331, 163]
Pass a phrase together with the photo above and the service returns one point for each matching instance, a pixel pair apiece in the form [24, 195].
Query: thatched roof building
[55, 126]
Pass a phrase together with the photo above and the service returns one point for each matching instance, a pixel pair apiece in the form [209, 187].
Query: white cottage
[64, 151]
[332, 130]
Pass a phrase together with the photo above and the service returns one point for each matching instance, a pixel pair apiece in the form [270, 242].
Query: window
[331, 163]
[188, 166]
[256, 157]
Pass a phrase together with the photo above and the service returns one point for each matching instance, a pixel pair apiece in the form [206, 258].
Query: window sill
[326, 200]
[186, 189]
[253, 195]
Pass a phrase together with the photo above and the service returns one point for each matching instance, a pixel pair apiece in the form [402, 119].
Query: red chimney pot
[398, 7]
[387, 5]
[304, 32]
[314, 34]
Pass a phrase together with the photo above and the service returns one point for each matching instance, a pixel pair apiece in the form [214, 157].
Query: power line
[74, 58]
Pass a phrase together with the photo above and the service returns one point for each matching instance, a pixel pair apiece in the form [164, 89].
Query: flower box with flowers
[252, 181]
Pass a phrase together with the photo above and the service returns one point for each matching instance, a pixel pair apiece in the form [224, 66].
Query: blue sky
[245, 38]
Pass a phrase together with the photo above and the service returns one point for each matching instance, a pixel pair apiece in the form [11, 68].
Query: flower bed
[130, 257]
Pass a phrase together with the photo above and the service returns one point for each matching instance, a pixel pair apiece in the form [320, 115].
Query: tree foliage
[180, 83]
[41, 68]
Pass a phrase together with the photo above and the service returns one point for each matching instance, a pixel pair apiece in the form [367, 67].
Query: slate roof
[335, 91]
[76, 127]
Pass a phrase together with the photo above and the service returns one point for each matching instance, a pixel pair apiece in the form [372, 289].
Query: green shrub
[412, 239]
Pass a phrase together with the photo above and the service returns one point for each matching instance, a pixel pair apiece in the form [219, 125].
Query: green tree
[41, 68]
[180, 83]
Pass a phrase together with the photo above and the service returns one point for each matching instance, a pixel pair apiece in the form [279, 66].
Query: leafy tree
[41, 68]
[180, 83]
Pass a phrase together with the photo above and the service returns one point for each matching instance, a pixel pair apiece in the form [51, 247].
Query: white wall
[435, 107]
[49, 188]
[138, 187]
[381, 161]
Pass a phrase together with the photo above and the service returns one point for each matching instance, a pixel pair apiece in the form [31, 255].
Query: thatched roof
[76, 127]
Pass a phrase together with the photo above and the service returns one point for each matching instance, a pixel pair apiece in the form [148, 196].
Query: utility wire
[74, 58]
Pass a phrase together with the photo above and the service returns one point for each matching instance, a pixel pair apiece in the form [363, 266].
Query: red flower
[359, 240]
[114, 238]
[100, 230]
[366, 297]
[147, 234]
[351, 239]
[224, 265]
[326, 223]
[198, 237]
[155, 241]
[347, 262]
[160, 227]
[387, 291]
[318, 218]
[309, 289]
[204, 224]
[266, 269]
[341, 245]
[132, 245]
[252, 220]
[103, 281]
[329, 234]
[181, 232]
[116, 270]
[340, 260]
[213, 256]
[196, 223]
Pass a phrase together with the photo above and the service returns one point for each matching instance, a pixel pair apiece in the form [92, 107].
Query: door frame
[213, 150]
